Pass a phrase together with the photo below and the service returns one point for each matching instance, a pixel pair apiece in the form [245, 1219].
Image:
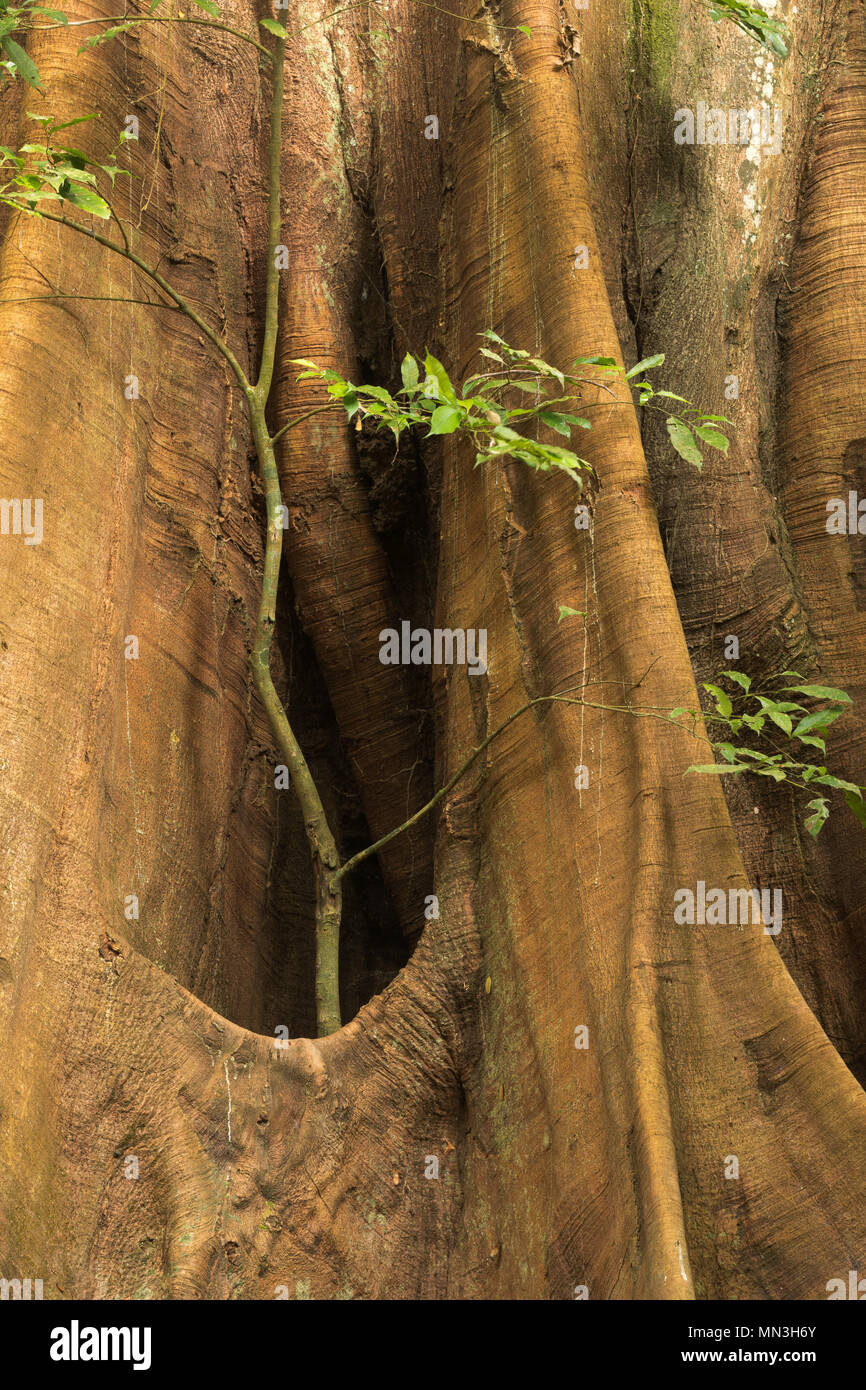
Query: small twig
[163, 284]
[561, 698]
[153, 19]
[104, 298]
[291, 424]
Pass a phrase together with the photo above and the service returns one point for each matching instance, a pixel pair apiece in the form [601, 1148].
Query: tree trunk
[453, 1139]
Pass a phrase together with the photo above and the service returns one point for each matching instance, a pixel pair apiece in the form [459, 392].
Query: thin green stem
[272, 284]
[163, 284]
[153, 19]
[317, 410]
[323, 848]
[120, 225]
[100, 298]
[561, 698]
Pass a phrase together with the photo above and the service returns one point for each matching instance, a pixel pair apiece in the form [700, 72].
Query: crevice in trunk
[266, 981]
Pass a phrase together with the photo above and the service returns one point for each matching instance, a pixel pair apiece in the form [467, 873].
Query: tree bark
[266, 1163]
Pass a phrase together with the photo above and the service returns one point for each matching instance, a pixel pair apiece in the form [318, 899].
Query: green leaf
[29, 198]
[820, 811]
[818, 720]
[24, 64]
[789, 706]
[781, 720]
[820, 692]
[272, 27]
[210, 8]
[56, 15]
[645, 364]
[827, 780]
[545, 369]
[444, 420]
[714, 438]
[378, 393]
[113, 171]
[738, 677]
[723, 703]
[77, 120]
[87, 200]
[524, 29]
[855, 801]
[579, 421]
[566, 612]
[409, 372]
[684, 441]
[813, 742]
[74, 174]
[555, 422]
[433, 367]
[106, 34]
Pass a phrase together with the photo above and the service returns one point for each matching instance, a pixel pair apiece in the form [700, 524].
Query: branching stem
[564, 697]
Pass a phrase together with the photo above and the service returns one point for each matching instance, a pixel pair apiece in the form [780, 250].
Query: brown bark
[304, 1166]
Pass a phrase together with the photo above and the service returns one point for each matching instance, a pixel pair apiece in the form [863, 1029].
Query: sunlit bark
[308, 1167]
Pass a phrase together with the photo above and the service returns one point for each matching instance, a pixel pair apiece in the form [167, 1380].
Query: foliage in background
[485, 407]
[14, 19]
[44, 172]
[755, 22]
[761, 710]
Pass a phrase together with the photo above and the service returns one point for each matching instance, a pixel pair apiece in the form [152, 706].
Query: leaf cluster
[497, 406]
[755, 22]
[765, 710]
[686, 427]
[42, 172]
[15, 19]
